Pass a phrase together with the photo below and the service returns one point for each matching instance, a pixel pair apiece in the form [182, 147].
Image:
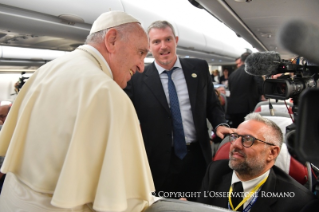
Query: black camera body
[287, 86]
[302, 87]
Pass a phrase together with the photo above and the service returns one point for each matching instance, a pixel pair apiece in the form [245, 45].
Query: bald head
[4, 110]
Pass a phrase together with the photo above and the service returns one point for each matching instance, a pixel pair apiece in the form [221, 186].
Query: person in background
[78, 155]
[239, 62]
[215, 77]
[254, 148]
[245, 93]
[173, 98]
[224, 78]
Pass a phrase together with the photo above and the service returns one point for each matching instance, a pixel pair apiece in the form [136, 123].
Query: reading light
[243, 0]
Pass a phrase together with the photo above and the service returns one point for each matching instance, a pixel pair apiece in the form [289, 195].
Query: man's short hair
[161, 25]
[244, 56]
[272, 133]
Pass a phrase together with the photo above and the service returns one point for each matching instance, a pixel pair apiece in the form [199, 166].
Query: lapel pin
[194, 75]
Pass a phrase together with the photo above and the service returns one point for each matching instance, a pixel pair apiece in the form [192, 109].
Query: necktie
[236, 195]
[178, 131]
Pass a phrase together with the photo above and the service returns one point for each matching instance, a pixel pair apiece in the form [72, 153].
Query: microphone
[262, 63]
[301, 38]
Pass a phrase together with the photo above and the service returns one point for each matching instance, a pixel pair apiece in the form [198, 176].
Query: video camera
[304, 76]
[302, 135]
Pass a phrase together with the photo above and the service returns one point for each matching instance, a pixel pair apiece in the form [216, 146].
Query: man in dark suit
[245, 93]
[253, 151]
[151, 95]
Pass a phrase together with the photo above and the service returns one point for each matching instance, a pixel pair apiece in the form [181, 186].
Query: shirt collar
[160, 69]
[250, 184]
[100, 56]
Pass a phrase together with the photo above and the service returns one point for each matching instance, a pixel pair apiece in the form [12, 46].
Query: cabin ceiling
[25, 28]
[28, 27]
[258, 21]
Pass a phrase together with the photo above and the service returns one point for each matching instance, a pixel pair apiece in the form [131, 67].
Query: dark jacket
[218, 178]
[245, 91]
[147, 94]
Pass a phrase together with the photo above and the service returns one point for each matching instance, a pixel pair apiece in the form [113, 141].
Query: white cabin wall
[212, 68]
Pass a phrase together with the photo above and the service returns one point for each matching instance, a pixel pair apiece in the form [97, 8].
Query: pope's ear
[110, 39]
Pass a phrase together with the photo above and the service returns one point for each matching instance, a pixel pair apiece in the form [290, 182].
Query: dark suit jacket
[245, 91]
[218, 179]
[147, 94]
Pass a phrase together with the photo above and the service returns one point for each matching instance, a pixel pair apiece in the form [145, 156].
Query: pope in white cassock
[72, 140]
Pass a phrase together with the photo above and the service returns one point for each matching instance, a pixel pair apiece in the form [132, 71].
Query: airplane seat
[285, 161]
[298, 171]
[280, 109]
[222, 151]
[277, 114]
[279, 106]
[281, 119]
[291, 166]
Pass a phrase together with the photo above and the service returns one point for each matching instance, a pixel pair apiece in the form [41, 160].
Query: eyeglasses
[246, 140]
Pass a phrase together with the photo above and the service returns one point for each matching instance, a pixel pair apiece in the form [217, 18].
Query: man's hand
[276, 76]
[221, 131]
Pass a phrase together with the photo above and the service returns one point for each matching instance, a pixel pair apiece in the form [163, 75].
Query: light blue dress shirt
[183, 98]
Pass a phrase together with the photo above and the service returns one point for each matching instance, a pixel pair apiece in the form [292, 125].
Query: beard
[166, 62]
[249, 166]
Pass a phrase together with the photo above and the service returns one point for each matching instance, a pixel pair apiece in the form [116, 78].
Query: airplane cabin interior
[36, 32]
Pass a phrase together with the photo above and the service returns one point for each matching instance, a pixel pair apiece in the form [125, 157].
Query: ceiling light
[265, 34]
[243, 0]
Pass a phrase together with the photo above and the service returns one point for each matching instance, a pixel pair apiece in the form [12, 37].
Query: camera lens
[281, 88]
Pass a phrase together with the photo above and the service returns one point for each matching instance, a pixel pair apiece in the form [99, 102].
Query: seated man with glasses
[249, 181]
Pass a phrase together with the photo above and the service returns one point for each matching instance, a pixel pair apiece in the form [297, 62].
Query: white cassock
[72, 142]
